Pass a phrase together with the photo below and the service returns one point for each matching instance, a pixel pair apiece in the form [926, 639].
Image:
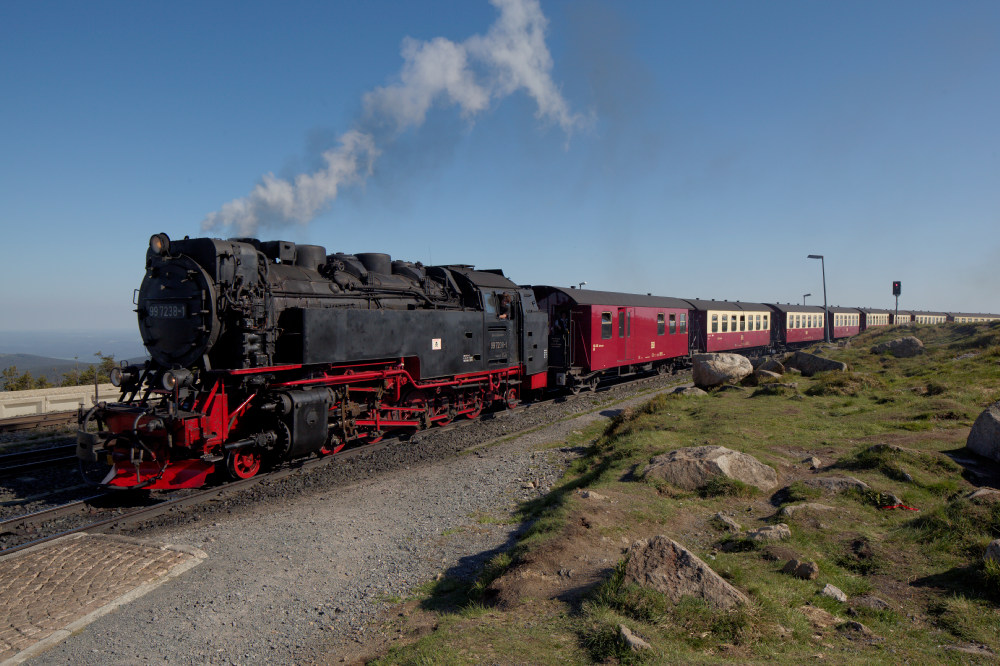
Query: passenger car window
[605, 325]
[715, 323]
[660, 323]
[684, 322]
[673, 324]
[743, 322]
[621, 323]
[725, 323]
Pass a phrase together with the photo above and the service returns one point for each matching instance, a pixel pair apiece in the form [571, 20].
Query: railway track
[105, 511]
[110, 511]
[33, 421]
[29, 459]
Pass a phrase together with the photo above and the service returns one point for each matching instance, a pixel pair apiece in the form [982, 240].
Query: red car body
[597, 333]
[844, 322]
[725, 326]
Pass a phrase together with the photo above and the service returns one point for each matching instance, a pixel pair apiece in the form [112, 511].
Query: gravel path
[301, 567]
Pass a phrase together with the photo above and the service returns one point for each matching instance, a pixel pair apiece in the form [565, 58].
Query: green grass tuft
[723, 486]
[844, 383]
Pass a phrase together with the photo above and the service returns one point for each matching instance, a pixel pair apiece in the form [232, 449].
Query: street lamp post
[826, 314]
[804, 298]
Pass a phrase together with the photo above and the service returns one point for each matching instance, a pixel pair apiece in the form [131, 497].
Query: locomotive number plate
[167, 310]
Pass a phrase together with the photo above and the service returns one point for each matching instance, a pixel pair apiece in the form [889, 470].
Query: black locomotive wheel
[475, 405]
[334, 444]
[243, 463]
[416, 399]
[443, 413]
[510, 398]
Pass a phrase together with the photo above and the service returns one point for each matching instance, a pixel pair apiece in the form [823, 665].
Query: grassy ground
[894, 423]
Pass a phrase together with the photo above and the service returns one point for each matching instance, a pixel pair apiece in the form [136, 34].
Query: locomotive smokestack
[511, 56]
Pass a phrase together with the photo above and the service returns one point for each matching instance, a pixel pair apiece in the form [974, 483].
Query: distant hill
[73, 346]
[40, 366]
[46, 366]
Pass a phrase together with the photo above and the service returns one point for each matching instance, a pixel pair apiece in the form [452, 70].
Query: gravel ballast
[297, 571]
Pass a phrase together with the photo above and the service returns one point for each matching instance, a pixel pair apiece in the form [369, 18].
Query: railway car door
[624, 324]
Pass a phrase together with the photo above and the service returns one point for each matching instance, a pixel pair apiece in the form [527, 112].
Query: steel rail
[32, 421]
[20, 461]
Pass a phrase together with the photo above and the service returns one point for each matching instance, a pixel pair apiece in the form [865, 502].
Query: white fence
[61, 399]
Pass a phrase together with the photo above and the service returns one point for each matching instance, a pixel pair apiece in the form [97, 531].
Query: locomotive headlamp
[159, 244]
[124, 376]
[173, 379]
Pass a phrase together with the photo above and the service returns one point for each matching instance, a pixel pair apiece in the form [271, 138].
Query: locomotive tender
[267, 351]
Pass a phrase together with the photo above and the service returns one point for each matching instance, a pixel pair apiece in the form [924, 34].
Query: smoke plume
[471, 75]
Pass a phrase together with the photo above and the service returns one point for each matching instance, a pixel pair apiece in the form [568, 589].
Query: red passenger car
[845, 322]
[901, 317]
[798, 325]
[599, 334]
[873, 318]
[725, 326]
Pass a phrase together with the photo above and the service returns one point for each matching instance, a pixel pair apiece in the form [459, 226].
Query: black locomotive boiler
[265, 351]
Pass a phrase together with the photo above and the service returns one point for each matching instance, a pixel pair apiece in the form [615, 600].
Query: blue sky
[704, 149]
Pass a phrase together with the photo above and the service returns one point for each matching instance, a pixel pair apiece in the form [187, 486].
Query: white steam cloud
[510, 57]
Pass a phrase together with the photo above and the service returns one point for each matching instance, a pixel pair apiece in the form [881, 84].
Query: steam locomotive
[265, 351]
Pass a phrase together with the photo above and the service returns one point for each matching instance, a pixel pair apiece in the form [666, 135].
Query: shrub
[723, 486]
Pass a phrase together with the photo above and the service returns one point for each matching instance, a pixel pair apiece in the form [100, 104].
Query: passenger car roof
[594, 297]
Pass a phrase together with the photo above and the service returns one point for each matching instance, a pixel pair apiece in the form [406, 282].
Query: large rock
[992, 553]
[664, 565]
[984, 438]
[778, 532]
[904, 347]
[633, 642]
[791, 509]
[834, 592]
[727, 523]
[837, 484]
[810, 364]
[693, 467]
[870, 602]
[772, 365]
[801, 569]
[715, 369]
